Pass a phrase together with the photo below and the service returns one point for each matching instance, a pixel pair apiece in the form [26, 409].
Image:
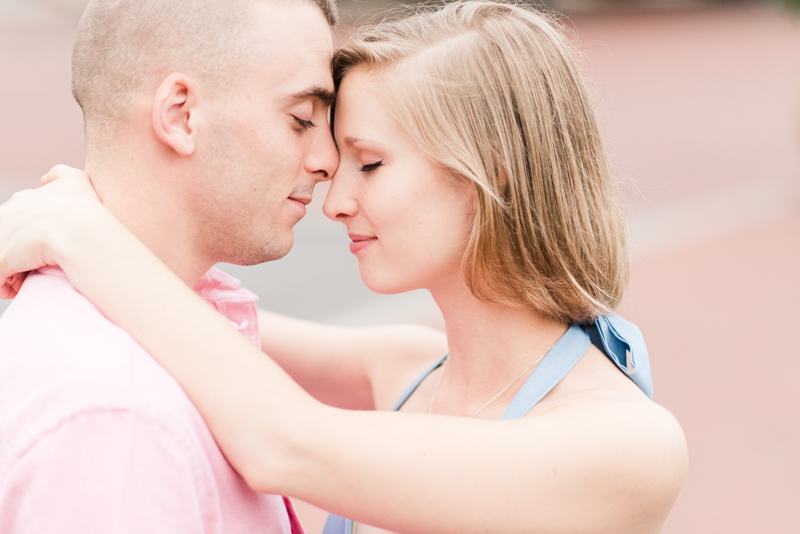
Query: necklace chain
[439, 382]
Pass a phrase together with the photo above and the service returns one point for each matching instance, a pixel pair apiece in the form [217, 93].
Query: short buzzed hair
[123, 45]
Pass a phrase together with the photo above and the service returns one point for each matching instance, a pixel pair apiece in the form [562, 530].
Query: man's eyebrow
[326, 96]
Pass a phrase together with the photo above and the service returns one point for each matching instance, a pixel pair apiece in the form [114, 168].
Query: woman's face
[409, 221]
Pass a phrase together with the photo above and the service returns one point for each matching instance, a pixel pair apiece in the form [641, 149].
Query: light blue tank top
[617, 338]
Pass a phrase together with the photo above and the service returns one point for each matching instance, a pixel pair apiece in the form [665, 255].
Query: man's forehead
[292, 51]
[289, 27]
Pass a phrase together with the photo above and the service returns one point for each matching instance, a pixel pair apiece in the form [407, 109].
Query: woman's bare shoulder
[397, 355]
[597, 389]
[394, 355]
[633, 448]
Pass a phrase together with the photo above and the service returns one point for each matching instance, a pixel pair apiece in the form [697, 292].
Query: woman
[471, 166]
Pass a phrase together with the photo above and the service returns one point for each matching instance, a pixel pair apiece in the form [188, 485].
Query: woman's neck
[490, 345]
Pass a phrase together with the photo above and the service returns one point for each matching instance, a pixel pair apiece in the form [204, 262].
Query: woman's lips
[360, 242]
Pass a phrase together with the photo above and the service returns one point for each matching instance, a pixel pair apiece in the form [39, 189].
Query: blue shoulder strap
[337, 525]
[620, 340]
[415, 384]
[553, 367]
[623, 343]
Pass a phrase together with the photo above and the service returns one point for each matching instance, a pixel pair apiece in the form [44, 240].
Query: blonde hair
[492, 93]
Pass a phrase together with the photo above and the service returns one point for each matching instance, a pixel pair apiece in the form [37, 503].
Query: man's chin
[273, 250]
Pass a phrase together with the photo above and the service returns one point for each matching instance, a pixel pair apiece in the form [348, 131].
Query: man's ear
[175, 113]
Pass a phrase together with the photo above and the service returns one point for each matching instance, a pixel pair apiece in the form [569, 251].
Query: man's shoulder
[48, 302]
[51, 322]
[78, 394]
[60, 356]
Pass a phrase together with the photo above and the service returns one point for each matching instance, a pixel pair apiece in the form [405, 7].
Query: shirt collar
[235, 303]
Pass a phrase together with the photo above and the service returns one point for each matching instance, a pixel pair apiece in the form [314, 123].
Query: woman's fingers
[30, 221]
[16, 284]
[17, 216]
[11, 286]
[18, 196]
[33, 222]
[60, 171]
[6, 292]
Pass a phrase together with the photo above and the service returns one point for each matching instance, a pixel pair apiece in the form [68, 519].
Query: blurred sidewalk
[702, 113]
[703, 117]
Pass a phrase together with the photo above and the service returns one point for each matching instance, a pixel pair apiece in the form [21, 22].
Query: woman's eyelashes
[369, 167]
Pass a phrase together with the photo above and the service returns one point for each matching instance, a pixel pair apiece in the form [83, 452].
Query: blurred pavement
[701, 110]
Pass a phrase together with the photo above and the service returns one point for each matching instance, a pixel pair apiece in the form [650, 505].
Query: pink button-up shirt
[96, 437]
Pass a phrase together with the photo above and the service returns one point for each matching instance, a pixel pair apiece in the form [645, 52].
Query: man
[206, 131]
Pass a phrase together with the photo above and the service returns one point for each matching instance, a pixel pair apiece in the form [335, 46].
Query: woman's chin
[386, 283]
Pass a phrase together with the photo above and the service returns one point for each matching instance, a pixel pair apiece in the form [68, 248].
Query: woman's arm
[354, 368]
[616, 466]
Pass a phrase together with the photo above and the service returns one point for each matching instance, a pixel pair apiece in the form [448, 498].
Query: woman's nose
[340, 203]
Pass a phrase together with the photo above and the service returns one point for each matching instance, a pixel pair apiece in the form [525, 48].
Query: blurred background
[700, 105]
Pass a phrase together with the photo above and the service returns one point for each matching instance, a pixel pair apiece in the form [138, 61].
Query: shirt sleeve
[109, 471]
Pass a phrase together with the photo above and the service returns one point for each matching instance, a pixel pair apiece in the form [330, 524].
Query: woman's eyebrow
[326, 96]
[350, 141]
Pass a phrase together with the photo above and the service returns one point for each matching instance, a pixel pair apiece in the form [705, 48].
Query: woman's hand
[35, 223]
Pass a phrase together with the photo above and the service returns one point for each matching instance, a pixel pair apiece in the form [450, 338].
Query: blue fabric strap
[415, 384]
[623, 343]
[553, 367]
[620, 340]
[337, 525]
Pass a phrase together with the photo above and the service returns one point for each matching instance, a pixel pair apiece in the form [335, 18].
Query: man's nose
[323, 159]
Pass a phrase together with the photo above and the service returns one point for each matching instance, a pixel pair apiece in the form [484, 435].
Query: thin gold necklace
[439, 382]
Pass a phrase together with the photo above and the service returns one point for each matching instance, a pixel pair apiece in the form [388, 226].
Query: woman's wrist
[86, 229]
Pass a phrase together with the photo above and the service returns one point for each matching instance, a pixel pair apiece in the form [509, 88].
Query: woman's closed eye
[369, 167]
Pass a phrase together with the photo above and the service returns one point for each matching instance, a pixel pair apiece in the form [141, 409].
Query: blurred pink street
[701, 110]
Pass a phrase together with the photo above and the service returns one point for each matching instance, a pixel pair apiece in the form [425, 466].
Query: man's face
[270, 143]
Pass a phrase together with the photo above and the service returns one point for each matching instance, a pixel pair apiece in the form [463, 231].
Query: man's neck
[145, 201]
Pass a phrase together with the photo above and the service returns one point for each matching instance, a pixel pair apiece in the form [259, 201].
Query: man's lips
[360, 242]
[300, 202]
